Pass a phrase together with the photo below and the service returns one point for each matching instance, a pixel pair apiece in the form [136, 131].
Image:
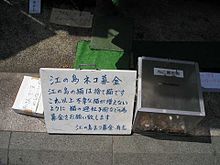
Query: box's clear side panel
[162, 89]
[138, 96]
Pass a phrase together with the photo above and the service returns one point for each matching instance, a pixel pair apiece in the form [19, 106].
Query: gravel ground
[182, 20]
[30, 42]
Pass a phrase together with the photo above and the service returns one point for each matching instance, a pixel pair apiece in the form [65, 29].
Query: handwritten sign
[88, 101]
[73, 18]
[29, 97]
[34, 6]
[210, 80]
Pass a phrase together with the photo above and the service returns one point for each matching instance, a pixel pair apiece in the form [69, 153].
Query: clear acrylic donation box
[169, 96]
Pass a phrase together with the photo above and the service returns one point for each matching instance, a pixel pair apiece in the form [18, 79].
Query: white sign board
[28, 100]
[88, 101]
[210, 81]
[34, 6]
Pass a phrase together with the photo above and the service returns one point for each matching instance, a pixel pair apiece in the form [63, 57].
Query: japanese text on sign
[85, 101]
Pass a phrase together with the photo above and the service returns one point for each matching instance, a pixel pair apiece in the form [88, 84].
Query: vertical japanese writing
[100, 102]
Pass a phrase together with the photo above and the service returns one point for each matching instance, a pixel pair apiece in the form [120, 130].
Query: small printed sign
[34, 6]
[168, 72]
[88, 101]
[29, 100]
[210, 80]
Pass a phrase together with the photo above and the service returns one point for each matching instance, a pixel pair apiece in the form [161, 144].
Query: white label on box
[34, 6]
[168, 72]
[88, 101]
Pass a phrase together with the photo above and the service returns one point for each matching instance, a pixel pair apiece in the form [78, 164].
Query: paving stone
[216, 147]
[217, 160]
[146, 150]
[216, 144]
[4, 143]
[42, 148]
[144, 144]
[163, 159]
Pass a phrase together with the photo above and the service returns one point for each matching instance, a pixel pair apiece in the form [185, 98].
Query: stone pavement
[23, 140]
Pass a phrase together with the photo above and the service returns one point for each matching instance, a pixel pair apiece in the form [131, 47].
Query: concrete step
[23, 140]
[11, 121]
[42, 148]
